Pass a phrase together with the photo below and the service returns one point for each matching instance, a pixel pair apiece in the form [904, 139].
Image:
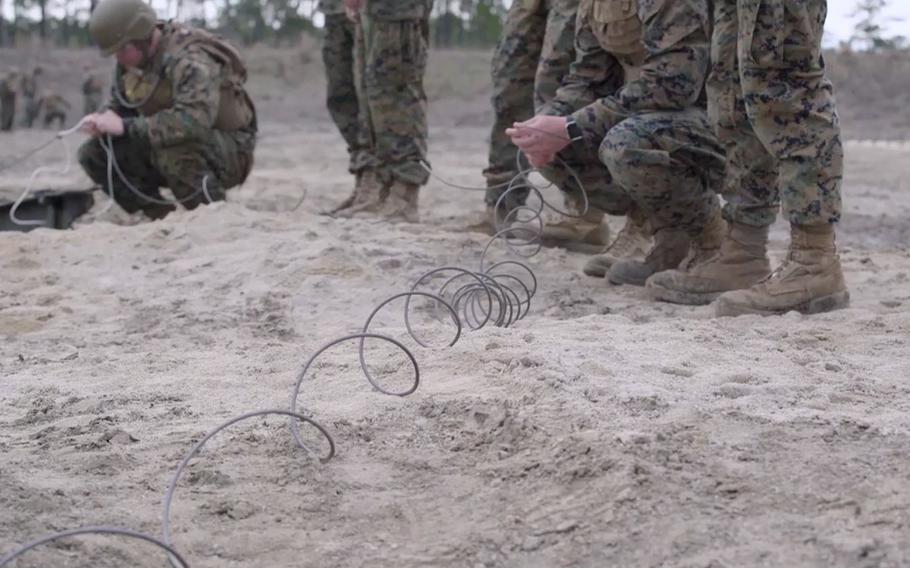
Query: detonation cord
[491, 296]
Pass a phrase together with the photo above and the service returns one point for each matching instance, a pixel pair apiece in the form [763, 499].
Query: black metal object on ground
[54, 209]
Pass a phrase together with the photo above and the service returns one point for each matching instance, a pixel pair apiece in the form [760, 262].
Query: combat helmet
[114, 23]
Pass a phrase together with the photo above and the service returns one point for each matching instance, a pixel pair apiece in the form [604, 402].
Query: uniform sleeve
[673, 74]
[593, 73]
[196, 80]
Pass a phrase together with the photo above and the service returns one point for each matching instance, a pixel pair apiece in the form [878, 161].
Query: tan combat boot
[633, 242]
[401, 204]
[740, 262]
[588, 233]
[670, 248]
[810, 280]
[488, 222]
[349, 200]
[369, 195]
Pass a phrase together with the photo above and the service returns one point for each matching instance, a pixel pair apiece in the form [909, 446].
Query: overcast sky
[840, 21]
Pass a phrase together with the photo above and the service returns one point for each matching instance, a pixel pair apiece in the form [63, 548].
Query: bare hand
[540, 138]
[107, 122]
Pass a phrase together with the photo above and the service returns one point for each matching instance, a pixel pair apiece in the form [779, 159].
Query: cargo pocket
[617, 25]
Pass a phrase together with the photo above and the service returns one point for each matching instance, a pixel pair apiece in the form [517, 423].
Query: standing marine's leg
[749, 187]
[343, 103]
[395, 58]
[790, 103]
[514, 69]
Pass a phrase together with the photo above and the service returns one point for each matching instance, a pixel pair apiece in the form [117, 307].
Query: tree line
[455, 23]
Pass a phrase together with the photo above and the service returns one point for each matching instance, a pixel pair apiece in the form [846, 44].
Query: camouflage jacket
[633, 57]
[185, 86]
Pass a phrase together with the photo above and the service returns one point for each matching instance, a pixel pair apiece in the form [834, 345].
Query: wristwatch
[573, 130]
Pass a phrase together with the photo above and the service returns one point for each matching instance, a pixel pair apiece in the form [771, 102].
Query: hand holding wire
[540, 138]
[107, 122]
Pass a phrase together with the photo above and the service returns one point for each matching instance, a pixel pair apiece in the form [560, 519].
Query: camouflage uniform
[91, 94]
[55, 108]
[197, 123]
[341, 89]
[636, 90]
[773, 109]
[391, 51]
[30, 97]
[530, 60]
[7, 102]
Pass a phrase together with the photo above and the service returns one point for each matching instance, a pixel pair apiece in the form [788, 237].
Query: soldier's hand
[540, 138]
[87, 125]
[107, 122]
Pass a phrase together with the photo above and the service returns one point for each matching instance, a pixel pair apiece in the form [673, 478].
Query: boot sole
[829, 303]
[662, 294]
[572, 246]
[627, 281]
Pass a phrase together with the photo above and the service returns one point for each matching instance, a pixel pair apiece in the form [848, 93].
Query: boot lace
[624, 244]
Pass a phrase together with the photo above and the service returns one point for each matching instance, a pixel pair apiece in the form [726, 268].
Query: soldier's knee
[622, 145]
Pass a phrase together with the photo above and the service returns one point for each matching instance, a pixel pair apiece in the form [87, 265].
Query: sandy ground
[601, 430]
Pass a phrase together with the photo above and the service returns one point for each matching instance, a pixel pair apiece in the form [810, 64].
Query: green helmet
[114, 23]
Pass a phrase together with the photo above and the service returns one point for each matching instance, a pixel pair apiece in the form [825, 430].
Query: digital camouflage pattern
[774, 112]
[392, 54]
[530, 60]
[8, 101]
[30, 99]
[180, 144]
[636, 90]
[342, 99]
[91, 93]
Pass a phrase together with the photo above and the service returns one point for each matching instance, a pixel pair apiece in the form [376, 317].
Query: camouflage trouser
[51, 116]
[668, 163]
[773, 110]
[7, 113]
[341, 88]
[224, 159]
[91, 103]
[535, 51]
[32, 108]
[393, 57]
